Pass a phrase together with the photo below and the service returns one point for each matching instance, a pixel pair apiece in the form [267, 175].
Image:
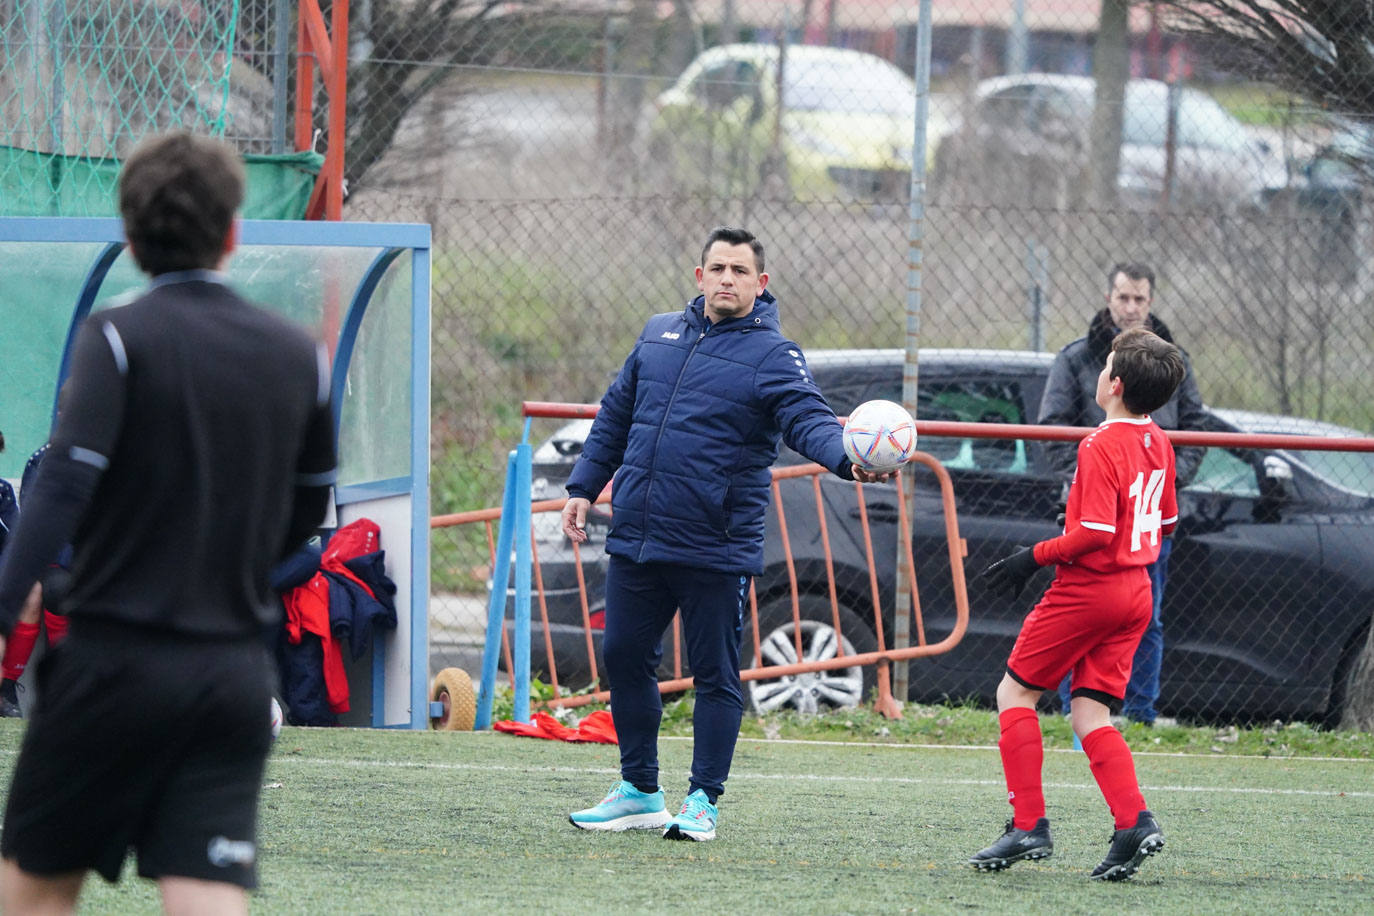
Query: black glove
[1009, 574]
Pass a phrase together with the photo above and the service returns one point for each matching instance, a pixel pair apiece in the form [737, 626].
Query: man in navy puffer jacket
[689, 429]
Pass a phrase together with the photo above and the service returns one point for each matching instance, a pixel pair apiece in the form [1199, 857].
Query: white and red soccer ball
[879, 436]
[276, 718]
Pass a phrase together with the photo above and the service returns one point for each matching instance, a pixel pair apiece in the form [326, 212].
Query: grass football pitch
[359, 821]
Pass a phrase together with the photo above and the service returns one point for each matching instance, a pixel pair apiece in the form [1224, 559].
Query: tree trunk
[1111, 69]
[633, 62]
[1359, 699]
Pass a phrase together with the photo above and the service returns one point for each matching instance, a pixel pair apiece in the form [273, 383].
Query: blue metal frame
[395, 239]
[84, 300]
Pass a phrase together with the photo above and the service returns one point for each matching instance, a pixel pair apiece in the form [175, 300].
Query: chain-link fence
[571, 170]
[571, 157]
[81, 81]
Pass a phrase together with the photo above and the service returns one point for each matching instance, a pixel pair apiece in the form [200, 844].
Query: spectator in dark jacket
[22, 639]
[1069, 401]
[689, 429]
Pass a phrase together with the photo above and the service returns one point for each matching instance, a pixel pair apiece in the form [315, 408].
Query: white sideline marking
[1193, 755]
[808, 777]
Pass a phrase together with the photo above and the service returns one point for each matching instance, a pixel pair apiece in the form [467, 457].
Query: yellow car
[838, 125]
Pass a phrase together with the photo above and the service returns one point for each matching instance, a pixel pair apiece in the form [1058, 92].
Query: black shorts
[146, 742]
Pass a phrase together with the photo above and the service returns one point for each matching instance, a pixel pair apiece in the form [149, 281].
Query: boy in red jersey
[1121, 503]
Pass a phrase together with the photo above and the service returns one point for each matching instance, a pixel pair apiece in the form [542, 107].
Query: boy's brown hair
[178, 193]
[1150, 369]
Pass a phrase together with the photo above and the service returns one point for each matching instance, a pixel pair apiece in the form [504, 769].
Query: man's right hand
[575, 518]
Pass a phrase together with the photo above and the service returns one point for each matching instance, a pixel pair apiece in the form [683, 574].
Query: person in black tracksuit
[690, 429]
[195, 449]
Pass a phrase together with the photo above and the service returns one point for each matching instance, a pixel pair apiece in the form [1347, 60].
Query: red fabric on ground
[596, 727]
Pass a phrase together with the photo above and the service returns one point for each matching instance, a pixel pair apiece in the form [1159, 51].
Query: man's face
[1129, 301]
[730, 280]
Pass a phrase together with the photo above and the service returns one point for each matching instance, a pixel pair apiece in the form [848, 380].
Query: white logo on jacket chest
[671, 335]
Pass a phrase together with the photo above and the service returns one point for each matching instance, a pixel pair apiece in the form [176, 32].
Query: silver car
[1025, 140]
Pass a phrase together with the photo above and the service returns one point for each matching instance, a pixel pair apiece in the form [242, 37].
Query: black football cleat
[9, 699]
[1130, 847]
[1014, 846]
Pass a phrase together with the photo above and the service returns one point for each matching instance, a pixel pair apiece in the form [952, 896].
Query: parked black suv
[1271, 580]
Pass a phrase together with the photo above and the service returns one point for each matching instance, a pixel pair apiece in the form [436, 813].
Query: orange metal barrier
[881, 657]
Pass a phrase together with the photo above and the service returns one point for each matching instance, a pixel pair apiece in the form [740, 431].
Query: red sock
[18, 649]
[57, 626]
[1114, 770]
[1023, 755]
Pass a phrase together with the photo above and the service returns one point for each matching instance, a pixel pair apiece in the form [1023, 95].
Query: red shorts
[1090, 622]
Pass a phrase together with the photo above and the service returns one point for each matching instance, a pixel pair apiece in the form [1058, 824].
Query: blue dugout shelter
[364, 289]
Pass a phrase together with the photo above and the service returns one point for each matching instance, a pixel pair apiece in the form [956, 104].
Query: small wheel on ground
[453, 691]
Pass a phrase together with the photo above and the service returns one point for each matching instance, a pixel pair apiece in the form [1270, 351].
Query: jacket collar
[764, 314]
[1102, 331]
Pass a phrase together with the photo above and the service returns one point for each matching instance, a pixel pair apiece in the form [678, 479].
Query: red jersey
[1122, 500]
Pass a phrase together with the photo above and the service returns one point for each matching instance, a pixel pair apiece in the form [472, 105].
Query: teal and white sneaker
[696, 820]
[624, 808]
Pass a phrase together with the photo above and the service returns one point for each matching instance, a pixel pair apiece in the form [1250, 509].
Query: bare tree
[1318, 49]
[413, 47]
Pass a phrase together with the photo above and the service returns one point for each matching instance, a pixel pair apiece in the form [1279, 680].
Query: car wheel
[836, 688]
[1342, 682]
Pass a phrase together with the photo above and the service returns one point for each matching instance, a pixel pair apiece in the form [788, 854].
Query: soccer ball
[276, 718]
[879, 436]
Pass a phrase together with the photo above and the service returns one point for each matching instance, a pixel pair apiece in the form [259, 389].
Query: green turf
[357, 821]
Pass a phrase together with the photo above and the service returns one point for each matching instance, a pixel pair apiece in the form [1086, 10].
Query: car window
[1330, 169]
[1055, 115]
[719, 87]
[1145, 121]
[1009, 108]
[1202, 122]
[1226, 473]
[862, 85]
[967, 401]
[1350, 472]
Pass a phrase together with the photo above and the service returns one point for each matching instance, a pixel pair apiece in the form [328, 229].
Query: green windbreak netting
[44, 184]
[82, 81]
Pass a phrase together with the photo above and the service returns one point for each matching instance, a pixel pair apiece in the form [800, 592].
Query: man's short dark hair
[1134, 270]
[1150, 369]
[732, 236]
[178, 193]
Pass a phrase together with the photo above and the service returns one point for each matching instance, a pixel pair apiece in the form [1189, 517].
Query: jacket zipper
[658, 438]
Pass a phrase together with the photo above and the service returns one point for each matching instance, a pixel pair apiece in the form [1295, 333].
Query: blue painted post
[496, 607]
[524, 560]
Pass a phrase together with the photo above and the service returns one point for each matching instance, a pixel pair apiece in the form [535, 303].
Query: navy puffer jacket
[690, 428]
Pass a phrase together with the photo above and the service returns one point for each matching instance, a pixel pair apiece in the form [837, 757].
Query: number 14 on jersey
[1145, 515]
